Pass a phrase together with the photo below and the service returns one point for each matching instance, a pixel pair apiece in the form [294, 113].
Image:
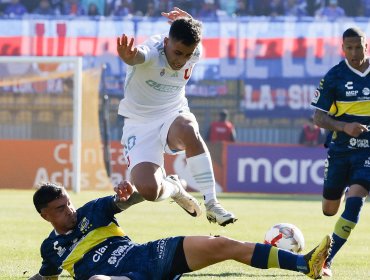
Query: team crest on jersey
[188, 73]
[84, 225]
[162, 72]
[366, 91]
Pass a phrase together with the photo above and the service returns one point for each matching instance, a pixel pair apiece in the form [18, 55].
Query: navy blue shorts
[122, 257]
[343, 169]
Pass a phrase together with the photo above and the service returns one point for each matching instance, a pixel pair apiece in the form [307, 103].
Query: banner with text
[275, 169]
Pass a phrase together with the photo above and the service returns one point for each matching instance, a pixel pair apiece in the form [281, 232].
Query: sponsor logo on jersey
[366, 91]
[367, 163]
[161, 248]
[60, 250]
[118, 254]
[162, 87]
[351, 93]
[316, 96]
[99, 252]
[349, 85]
[359, 143]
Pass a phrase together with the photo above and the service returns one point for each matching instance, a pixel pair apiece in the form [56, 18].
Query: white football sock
[201, 169]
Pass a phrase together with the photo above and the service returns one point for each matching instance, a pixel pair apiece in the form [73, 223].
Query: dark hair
[186, 30]
[224, 114]
[45, 194]
[353, 32]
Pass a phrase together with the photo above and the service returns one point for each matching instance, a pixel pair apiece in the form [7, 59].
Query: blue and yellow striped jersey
[84, 247]
[344, 93]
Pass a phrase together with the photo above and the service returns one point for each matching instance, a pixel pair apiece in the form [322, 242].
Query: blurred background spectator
[222, 130]
[15, 8]
[44, 8]
[72, 8]
[311, 134]
[331, 10]
[209, 9]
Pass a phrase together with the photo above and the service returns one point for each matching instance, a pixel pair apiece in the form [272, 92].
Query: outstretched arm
[323, 120]
[127, 52]
[126, 195]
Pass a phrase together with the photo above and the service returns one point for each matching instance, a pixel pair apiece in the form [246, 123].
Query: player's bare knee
[329, 212]
[150, 191]
[220, 244]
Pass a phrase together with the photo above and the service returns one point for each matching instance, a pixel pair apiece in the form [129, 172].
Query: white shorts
[147, 142]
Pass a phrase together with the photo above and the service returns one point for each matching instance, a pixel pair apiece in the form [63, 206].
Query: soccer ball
[285, 236]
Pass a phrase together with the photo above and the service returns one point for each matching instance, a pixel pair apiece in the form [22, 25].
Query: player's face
[61, 214]
[355, 49]
[177, 53]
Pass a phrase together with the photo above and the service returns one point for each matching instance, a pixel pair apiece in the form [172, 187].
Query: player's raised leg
[155, 186]
[184, 134]
[203, 251]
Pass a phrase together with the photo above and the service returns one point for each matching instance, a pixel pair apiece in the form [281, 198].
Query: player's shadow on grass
[240, 275]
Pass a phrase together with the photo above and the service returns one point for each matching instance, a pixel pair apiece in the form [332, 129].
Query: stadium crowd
[212, 9]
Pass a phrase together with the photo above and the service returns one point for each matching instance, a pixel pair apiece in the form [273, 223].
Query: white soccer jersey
[152, 89]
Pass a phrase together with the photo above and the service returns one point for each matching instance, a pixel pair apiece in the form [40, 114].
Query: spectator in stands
[365, 8]
[242, 9]
[124, 8]
[163, 5]
[72, 7]
[57, 6]
[100, 6]
[140, 7]
[260, 7]
[15, 8]
[228, 6]
[222, 130]
[331, 11]
[352, 8]
[311, 135]
[295, 8]
[208, 10]
[30, 5]
[312, 6]
[44, 8]
[92, 10]
[276, 8]
[150, 10]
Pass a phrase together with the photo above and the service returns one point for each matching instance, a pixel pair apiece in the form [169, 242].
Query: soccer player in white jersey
[158, 119]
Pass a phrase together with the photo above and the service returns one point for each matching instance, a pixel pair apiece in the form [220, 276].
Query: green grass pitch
[22, 231]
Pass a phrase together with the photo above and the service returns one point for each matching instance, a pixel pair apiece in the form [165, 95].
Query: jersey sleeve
[197, 53]
[47, 267]
[324, 96]
[147, 51]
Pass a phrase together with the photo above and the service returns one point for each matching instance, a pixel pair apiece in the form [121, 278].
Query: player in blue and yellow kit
[89, 244]
[342, 103]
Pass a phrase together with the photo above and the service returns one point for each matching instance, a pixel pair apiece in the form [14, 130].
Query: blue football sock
[345, 224]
